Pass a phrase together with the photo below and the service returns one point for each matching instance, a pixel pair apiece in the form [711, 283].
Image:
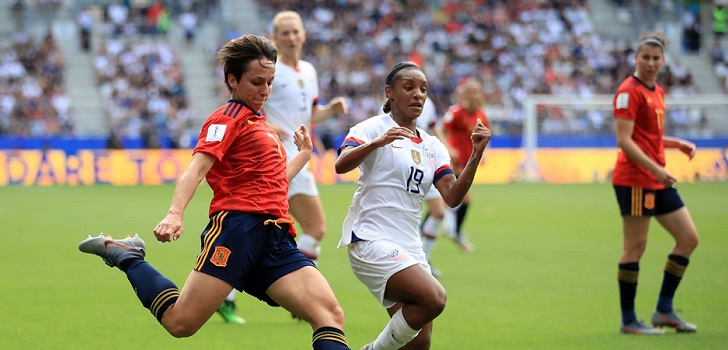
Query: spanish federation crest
[416, 156]
[220, 256]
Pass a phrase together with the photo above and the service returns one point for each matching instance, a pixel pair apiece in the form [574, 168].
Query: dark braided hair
[392, 77]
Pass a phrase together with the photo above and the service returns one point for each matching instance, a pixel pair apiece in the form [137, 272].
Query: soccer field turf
[542, 276]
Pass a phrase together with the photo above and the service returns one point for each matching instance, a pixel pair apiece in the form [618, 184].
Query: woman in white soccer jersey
[294, 102]
[397, 165]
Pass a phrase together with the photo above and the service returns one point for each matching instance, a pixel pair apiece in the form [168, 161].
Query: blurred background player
[644, 188]
[457, 126]
[294, 102]
[398, 164]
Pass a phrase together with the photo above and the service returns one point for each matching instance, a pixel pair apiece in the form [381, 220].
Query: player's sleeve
[447, 118]
[485, 119]
[357, 136]
[315, 87]
[442, 162]
[626, 103]
[216, 136]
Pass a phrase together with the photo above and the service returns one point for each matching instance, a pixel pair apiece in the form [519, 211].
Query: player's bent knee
[437, 305]
[336, 314]
[180, 330]
[691, 242]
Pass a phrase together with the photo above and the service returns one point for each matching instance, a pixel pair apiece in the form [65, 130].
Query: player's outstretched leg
[156, 292]
[114, 252]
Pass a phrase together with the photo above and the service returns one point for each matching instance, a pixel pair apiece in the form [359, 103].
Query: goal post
[587, 122]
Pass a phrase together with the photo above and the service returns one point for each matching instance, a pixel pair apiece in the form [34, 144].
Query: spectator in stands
[85, 27]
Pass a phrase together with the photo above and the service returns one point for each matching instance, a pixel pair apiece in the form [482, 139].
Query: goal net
[572, 139]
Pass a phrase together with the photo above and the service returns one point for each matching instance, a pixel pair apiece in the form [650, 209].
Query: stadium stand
[517, 48]
[33, 101]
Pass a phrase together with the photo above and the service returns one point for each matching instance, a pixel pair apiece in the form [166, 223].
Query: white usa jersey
[393, 181]
[295, 92]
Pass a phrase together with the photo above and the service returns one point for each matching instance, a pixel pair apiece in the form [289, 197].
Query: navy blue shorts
[637, 201]
[241, 250]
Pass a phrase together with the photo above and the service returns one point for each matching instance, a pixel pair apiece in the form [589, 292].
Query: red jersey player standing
[644, 188]
[249, 242]
[457, 126]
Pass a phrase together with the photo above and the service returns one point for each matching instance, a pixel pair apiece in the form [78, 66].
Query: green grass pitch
[542, 276]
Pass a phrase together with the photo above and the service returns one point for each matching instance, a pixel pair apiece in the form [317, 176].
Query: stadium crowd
[141, 79]
[516, 48]
[142, 85]
[33, 100]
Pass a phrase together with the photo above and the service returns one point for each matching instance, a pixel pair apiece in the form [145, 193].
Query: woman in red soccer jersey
[644, 188]
[249, 243]
[457, 125]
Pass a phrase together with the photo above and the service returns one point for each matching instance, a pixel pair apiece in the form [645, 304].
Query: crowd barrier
[501, 165]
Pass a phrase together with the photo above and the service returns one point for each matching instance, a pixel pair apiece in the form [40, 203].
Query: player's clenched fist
[480, 136]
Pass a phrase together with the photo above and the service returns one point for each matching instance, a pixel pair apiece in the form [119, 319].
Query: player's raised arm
[172, 226]
[350, 157]
[302, 139]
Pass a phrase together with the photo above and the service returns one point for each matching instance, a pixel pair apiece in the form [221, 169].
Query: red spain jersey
[646, 108]
[249, 174]
[459, 124]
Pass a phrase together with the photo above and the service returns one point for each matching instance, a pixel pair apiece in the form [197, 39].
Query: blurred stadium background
[97, 92]
[141, 74]
[124, 72]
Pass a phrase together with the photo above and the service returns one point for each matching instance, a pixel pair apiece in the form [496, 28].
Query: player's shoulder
[377, 120]
[454, 108]
[232, 111]
[306, 65]
[629, 84]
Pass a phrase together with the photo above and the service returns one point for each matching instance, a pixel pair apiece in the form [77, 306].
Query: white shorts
[374, 262]
[432, 193]
[304, 183]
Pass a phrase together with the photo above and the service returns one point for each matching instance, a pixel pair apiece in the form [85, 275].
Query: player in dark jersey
[644, 188]
[249, 242]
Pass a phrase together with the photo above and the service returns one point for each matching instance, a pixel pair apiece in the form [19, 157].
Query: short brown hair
[238, 53]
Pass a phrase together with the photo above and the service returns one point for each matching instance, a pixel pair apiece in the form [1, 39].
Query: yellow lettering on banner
[156, 167]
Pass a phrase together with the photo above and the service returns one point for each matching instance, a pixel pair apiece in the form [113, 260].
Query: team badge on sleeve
[215, 132]
[622, 100]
